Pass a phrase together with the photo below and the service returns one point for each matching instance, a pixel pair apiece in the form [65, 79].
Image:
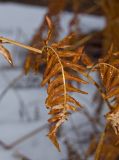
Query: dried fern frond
[58, 74]
[62, 67]
[110, 78]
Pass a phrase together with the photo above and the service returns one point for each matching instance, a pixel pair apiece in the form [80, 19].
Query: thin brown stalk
[34, 50]
[63, 75]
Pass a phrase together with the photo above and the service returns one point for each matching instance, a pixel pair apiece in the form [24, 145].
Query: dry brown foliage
[64, 62]
[112, 16]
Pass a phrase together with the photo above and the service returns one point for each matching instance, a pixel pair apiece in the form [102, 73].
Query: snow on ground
[19, 108]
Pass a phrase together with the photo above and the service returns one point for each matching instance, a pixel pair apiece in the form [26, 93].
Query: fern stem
[34, 50]
[63, 74]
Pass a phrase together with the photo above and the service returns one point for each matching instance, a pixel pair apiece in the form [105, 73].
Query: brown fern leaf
[60, 71]
[6, 54]
[110, 78]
